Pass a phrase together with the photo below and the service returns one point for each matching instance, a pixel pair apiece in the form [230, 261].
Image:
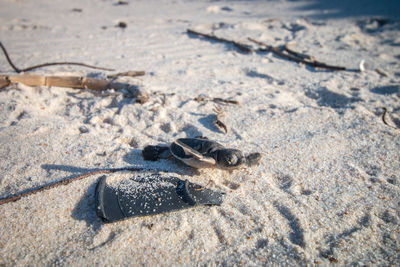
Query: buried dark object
[151, 195]
[200, 152]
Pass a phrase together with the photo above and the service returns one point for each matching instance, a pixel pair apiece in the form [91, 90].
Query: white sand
[326, 191]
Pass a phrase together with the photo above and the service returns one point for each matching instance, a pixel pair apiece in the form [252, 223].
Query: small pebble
[83, 129]
[122, 25]
[120, 3]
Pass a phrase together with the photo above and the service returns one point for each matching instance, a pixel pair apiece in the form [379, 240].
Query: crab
[200, 152]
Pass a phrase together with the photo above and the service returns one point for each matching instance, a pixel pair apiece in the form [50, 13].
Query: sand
[326, 191]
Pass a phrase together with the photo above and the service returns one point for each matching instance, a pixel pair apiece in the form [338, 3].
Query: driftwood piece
[242, 47]
[76, 82]
[60, 81]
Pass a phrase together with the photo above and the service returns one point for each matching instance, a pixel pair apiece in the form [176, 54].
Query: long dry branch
[18, 70]
[284, 52]
[64, 182]
[289, 54]
[242, 47]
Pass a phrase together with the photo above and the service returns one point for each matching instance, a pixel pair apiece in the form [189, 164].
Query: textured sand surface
[326, 191]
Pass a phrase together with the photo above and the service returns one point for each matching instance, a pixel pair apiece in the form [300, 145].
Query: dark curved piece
[153, 195]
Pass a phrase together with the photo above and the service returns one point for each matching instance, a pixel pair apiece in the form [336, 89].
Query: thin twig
[65, 63]
[216, 100]
[18, 70]
[9, 59]
[226, 101]
[132, 73]
[296, 56]
[242, 47]
[64, 182]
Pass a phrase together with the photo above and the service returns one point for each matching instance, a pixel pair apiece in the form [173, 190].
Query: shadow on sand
[357, 8]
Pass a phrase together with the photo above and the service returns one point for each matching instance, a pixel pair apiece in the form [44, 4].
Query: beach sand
[326, 191]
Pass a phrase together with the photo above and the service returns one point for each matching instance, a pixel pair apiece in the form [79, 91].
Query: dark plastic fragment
[165, 194]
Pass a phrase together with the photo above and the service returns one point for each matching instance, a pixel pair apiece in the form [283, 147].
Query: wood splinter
[127, 74]
[386, 118]
[219, 116]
